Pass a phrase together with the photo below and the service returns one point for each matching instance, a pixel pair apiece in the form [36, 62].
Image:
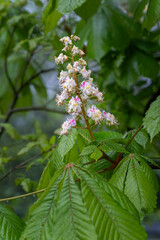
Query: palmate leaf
[153, 14]
[110, 219]
[41, 214]
[151, 121]
[135, 178]
[96, 210]
[11, 225]
[68, 6]
[71, 213]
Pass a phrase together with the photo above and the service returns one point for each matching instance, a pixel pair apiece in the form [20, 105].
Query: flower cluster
[78, 89]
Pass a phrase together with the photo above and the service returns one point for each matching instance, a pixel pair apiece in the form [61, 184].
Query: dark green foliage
[98, 188]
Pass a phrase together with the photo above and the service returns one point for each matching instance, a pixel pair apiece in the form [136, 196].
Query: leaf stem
[23, 195]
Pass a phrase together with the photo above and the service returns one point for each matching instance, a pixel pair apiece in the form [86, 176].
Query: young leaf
[112, 146]
[11, 224]
[66, 143]
[151, 121]
[137, 181]
[88, 150]
[101, 136]
[97, 154]
[68, 6]
[153, 14]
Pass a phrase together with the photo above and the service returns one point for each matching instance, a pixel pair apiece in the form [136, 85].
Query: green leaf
[11, 224]
[112, 146]
[153, 14]
[141, 138]
[41, 215]
[97, 154]
[97, 46]
[84, 133]
[10, 130]
[88, 150]
[61, 205]
[135, 179]
[88, 9]
[27, 148]
[151, 121]
[51, 16]
[71, 213]
[101, 136]
[110, 219]
[66, 143]
[68, 6]
[139, 10]
[73, 155]
[27, 184]
[95, 211]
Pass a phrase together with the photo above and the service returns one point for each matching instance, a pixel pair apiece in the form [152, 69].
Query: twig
[34, 76]
[6, 60]
[41, 108]
[18, 166]
[130, 140]
[9, 113]
[22, 196]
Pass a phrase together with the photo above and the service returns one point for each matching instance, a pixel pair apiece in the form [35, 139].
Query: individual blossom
[66, 48]
[60, 98]
[68, 124]
[74, 106]
[81, 53]
[85, 73]
[69, 84]
[75, 50]
[61, 58]
[63, 75]
[97, 93]
[110, 118]
[75, 38]
[95, 114]
[66, 41]
[86, 88]
[70, 68]
[82, 62]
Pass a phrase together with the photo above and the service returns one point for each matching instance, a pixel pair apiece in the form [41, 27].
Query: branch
[34, 76]
[41, 108]
[19, 166]
[6, 60]
[22, 196]
[10, 110]
[119, 158]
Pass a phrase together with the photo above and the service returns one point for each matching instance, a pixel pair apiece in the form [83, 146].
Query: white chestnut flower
[61, 58]
[69, 84]
[62, 76]
[66, 41]
[68, 124]
[85, 73]
[74, 106]
[70, 68]
[75, 50]
[110, 118]
[75, 38]
[95, 114]
[60, 98]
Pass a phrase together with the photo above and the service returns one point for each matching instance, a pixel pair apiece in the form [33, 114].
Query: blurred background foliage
[121, 39]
